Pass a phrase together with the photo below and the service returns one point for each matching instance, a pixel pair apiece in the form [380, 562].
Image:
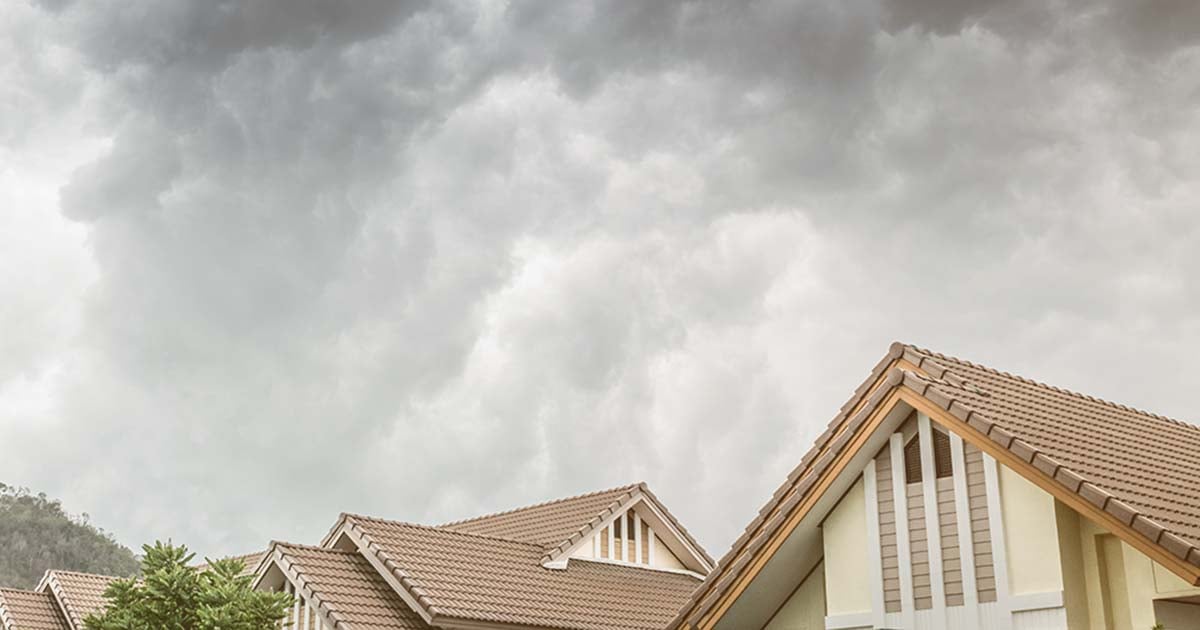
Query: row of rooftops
[523, 567]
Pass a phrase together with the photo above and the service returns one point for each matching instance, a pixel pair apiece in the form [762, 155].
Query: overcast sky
[265, 262]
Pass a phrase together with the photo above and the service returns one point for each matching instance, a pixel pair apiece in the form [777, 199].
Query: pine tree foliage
[175, 596]
[36, 534]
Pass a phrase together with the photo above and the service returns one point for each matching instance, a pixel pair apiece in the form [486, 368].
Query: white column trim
[295, 606]
[637, 538]
[307, 616]
[874, 547]
[903, 546]
[991, 476]
[962, 513]
[612, 549]
[933, 529]
[596, 544]
[652, 545]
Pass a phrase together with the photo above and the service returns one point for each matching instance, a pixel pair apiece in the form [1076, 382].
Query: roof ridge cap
[99, 575]
[1054, 388]
[585, 495]
[438, 528]
[284, 543]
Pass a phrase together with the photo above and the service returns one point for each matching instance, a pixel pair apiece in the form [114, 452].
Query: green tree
[174, 596]
[36, 534]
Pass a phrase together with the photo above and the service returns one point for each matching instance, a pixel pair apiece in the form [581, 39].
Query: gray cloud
[426, 260]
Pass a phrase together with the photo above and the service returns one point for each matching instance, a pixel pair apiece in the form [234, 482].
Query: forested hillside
[37, 534]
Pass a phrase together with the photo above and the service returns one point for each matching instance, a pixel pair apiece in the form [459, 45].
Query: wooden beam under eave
[710, 620]
[1187, 572]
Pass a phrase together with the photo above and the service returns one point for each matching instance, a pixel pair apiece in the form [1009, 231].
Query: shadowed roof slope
[348, 588]
[467, 576]
[81, 594]
[545, 523]
[27, 610]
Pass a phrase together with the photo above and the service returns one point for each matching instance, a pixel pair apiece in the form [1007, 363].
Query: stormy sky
[263, 262]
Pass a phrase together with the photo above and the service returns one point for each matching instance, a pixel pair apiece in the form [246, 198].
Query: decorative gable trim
[276, 556]
[560, 557]
[391, 572]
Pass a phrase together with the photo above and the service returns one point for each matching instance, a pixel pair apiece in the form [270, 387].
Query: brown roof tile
[1142, 468]
[348, 589]
[547, 523]
[81, 594]
[27, 610]
[1148, 463]
[464, 575]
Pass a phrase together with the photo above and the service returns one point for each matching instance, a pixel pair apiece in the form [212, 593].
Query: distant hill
[36, 534]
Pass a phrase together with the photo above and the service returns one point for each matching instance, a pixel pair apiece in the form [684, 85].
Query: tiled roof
[558, 525]
[345, 586]
[547, 523]
[27, 610]
[467, 576]
[1141, 468]
[250, 560]
[81, 594]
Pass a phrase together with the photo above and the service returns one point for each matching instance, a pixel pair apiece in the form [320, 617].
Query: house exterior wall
[846, 559]
[1031, 534]
[805, 609]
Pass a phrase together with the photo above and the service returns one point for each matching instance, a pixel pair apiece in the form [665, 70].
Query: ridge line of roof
[585, 495]
[284, 543]
[1047, 386]
[437, 528]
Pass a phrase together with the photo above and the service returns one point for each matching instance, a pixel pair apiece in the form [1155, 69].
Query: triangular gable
[29, 610]
[334, 590]
[911, 378]
[77, 594]
[563, 526]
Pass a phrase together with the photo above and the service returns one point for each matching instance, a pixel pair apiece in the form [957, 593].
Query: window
[942, 462]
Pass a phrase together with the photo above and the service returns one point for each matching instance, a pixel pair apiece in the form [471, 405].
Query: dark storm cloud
[430, 259]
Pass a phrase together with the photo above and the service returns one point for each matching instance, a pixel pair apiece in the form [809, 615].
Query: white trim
[849, 620]
[991, 477]
[612, 549]
[596, 544]
[874, 547]
[903, 544]
[933, 527]
[372, 557]
[651, 541]
[962, 513]
[1036, 601]
[637, 538]
[692, 551]
[307, 615]
[646, 567]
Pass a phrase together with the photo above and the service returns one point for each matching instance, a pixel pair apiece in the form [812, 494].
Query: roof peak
[585, 495]
[1054, 388]
[436, 528]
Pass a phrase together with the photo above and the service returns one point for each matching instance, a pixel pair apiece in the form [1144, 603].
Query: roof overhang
[897, 386]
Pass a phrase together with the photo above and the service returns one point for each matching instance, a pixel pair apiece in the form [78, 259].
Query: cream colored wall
[846, 559]
[1030, 534]
[805, 609]
[1070, 545]
[1122, 583]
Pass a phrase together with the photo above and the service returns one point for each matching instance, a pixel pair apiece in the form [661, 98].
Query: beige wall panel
[846, 561]
[805, 609]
